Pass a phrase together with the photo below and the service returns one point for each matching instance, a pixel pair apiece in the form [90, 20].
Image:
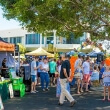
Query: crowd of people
[87, 73]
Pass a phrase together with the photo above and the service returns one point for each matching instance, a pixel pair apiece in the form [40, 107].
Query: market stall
[7, 85]
[5, 52]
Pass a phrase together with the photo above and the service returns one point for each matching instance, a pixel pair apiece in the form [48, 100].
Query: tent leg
[14, 62]
[18, 62]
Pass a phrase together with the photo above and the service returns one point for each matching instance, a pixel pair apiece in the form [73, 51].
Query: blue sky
[7, 24]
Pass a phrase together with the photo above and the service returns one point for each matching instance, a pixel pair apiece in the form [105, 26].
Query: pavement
[48, 101]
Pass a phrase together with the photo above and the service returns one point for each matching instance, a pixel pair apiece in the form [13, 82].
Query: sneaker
[73, 103]
[60, 104]
[33, 92]
[47, 89]
[43, 90]
[36, 91]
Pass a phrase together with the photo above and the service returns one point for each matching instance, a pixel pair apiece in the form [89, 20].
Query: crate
[16, 87]
[21, 80]
[18, 80]
[22, 93]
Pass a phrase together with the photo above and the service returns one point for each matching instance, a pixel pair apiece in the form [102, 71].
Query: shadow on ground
[48, 101]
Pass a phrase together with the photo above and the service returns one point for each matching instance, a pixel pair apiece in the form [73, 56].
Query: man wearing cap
[64, 79]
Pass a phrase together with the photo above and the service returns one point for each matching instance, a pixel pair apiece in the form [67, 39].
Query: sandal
[78, 93]
[82, 91]
[108, 100]
[103, 99]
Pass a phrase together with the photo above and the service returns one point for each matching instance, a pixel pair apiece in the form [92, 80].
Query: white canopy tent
[40, 52]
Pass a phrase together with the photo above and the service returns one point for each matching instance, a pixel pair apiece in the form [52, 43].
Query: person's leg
[35, 82]
[54, 78]
[104, 93]
[32, 86]
[108, 93]
[47, 80]
[81, 85]
[64, 91]
[38, 79]
[87, 81]
[42, 76]
[50, 79]
[78, 86]
[62, 95]
[32, 83]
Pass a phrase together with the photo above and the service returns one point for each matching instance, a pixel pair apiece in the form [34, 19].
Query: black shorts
[52, 74]
[38, 74]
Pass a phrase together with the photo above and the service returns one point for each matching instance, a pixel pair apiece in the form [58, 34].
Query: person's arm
[83, 68]
[35, 68]
[65, 72]
[103, 75]
[4, 68]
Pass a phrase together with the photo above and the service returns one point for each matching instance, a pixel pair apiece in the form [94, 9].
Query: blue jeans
[44, 77]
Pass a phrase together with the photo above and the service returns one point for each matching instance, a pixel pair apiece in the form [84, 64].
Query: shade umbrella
[70, 53]
[40, 52]
[94, 54]
[81, 54]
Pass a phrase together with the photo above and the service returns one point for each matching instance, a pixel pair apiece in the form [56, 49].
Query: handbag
[77, 74]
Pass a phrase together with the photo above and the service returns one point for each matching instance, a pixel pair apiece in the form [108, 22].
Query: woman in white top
[44, 74]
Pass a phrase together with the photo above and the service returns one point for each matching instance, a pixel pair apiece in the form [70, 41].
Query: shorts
[107, 84]
[33, 78]
[52, 74]
[38, 74]
[86, 78]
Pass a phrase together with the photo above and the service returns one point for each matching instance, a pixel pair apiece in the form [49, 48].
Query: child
[95, 77]
[106, 82]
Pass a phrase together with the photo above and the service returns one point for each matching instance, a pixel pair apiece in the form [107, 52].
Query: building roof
[13, 32]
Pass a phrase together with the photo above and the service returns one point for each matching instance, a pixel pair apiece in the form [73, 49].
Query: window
[42, 40]
[5, 39]
[33, 39]
[50, 40]
[16, 40]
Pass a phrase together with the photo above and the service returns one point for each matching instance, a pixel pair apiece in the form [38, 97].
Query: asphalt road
[48, 101]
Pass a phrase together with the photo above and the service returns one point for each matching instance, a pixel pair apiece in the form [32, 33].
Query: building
[33, 40]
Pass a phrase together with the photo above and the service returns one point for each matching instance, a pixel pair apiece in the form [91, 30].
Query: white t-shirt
[46, 66]
[33, 65]
[86, 67]
[95, 75]
[106, 79]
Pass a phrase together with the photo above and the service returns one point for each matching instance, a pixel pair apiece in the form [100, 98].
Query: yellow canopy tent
[40, 52]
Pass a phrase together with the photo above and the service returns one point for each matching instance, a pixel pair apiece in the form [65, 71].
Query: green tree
[22, 49]
[65, 16]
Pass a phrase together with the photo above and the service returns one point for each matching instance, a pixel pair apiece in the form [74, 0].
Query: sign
[16, 48]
